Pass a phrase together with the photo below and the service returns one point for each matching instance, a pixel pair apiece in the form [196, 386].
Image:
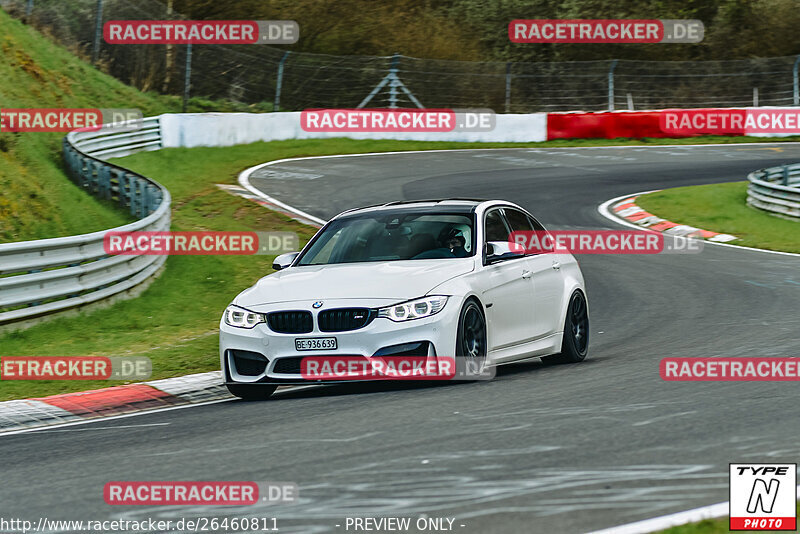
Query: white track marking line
[646, 526]
[603, 209]
[45, 430]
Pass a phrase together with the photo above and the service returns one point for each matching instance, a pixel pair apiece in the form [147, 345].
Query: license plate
[315, 343]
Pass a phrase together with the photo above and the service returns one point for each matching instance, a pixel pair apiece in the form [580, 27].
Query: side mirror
[503, 250]
[284, 260]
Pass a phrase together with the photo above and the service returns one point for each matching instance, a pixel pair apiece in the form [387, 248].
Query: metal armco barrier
[103, 144]
[776, 189]
[49, 275]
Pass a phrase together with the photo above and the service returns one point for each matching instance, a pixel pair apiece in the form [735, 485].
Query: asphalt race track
[540, 448]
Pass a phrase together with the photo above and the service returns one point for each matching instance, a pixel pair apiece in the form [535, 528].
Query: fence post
[611, 84]
[169, 61]
[98, 31]
[279, 83]
[755, 97]
[796, 83]
[508, 87]
[187, 76]
[394, 82]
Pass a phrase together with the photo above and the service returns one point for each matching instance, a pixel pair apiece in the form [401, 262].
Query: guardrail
[105, 144]
[776, 189]
[49, 275]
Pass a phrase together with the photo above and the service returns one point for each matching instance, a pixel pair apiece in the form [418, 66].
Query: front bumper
[241, 348]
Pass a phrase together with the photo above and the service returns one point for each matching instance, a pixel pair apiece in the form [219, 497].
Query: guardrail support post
[28, 9]
[127, 195]
[105, 182]
[98, 31]
[279, 82]
[145, 208]
[86, 171]
[611, 84]
[140, 197]
[786, 175]
[136, 197]
[96, 178]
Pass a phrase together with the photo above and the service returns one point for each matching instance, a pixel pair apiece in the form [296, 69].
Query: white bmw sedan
[420, 278]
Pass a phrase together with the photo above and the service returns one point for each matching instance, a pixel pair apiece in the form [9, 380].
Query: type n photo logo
[763, 497]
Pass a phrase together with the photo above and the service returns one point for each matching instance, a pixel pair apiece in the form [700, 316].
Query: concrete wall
[227, 129]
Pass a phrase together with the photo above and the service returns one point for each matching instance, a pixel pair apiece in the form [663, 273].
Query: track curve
[544, 449]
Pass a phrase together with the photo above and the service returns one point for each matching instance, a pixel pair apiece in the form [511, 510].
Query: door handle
[526, 274]
[556, 265]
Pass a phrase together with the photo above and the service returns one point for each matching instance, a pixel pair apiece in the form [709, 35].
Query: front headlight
[414, 309]
[241, 318]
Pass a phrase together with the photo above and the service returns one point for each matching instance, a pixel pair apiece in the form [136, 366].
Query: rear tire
[575, 343]
[252, 392]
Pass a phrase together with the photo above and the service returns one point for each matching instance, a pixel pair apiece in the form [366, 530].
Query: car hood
[394, 280]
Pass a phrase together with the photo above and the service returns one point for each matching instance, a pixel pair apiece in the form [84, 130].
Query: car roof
[440, 205]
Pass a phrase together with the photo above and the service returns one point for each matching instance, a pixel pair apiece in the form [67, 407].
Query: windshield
[386, 237]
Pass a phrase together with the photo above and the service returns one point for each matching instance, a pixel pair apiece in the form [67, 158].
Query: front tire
[471, 344]
[575, 343]
[252, 392]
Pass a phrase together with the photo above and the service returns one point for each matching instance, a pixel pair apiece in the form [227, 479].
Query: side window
[519, 221]
[495, 226]
[537, 225]
[522, 222]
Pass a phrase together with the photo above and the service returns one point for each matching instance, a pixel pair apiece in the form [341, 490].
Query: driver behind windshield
[454, 240]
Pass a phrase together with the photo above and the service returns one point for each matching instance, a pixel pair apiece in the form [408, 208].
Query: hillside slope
[37, 200]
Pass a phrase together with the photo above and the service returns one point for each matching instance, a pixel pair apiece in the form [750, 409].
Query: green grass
[707, 526]
[722, 208]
